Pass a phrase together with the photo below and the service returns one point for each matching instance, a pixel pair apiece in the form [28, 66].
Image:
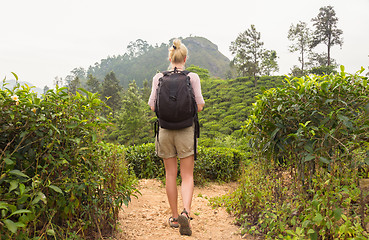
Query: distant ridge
[205, 54]
[202, 53]
[11, 83]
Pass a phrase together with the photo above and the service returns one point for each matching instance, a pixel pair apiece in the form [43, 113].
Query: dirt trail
[146, 217]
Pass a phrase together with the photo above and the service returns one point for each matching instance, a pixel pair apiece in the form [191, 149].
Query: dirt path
[146, 217]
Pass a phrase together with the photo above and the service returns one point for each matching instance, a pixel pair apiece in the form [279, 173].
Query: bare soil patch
[146, 217]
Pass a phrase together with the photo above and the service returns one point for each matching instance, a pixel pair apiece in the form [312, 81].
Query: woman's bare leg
[171, 184]
[187, 165]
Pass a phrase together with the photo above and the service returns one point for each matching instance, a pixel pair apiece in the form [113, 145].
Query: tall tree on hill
[248, 50]
[74, 85]
[132, 117]
[79, 72]
[93, 85]
[110, 92]
[326, 30]
[146, 90]
[269, 62]
[301, 36]
[137, 48]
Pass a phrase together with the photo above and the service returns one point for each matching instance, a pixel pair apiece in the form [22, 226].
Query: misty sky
[42, 39]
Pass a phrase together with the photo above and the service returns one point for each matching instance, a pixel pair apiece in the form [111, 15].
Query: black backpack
[175, 104]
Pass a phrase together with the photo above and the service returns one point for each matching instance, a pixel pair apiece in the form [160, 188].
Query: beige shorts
[174, 143]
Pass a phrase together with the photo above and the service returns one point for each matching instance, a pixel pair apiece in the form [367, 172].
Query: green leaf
[337, 213]
[23, 134]
[20, 224]
[324, 86]
[50, 232]
[72, 125]
[10, 225]
[305, 223]
[8, 161]
[328, 101]
[309, 157]
[21, 188]
[94, 137]
[3, 205]
[40, 196]
[13, 185]
[18, 173]
[274, 133]
[15, 75]
[342, 68]
[318, 218]
[324, 160]
[53, 127]
[20, 212]
[56, 189]
[343, 118]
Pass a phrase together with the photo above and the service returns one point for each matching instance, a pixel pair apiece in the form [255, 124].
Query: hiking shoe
[184, 223]
[173, 222]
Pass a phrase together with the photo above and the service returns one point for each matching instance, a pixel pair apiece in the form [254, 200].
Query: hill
[10, 84]
[202, 53]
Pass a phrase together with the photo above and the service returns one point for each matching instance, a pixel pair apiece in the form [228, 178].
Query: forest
[296, 144]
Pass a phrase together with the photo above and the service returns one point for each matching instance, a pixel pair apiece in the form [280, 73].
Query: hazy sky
[42, 39]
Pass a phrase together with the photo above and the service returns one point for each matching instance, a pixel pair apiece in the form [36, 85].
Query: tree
[301, 35]
[248, 51]
[46, 88]
[132, 118]
[58, 81]
[74, 85]
[269, 62]
[146, 90]
[326, 30]
[93, 85]
[137, 48]
[110, 92]
[320, 59]
[79, 72]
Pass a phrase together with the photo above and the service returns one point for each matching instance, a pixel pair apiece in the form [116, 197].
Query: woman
[178, 143]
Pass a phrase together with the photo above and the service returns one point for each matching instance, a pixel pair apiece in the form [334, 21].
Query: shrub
[144, 162]
[271, 206]
[310, 147]
[312, 121]
[56, 178]
[218, 164]
[212, 164]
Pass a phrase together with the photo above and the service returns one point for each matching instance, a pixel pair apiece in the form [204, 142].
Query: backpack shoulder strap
[185, 72]
[165, 73]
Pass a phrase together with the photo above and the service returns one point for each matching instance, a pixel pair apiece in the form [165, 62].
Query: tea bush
[272, 206]
[144, 162]
[57, 180]
[212, 164]
[314, 120]
[310, 148]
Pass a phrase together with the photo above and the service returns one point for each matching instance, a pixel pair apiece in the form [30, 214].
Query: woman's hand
[200, 107]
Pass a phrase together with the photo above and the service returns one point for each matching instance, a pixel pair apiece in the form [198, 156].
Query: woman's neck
[178, 66]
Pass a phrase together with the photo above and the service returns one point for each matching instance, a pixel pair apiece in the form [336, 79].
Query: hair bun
[177, 43]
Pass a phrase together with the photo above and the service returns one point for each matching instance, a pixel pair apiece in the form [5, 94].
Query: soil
[146, 217]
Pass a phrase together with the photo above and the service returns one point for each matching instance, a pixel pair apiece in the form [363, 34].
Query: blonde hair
[177, 52]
